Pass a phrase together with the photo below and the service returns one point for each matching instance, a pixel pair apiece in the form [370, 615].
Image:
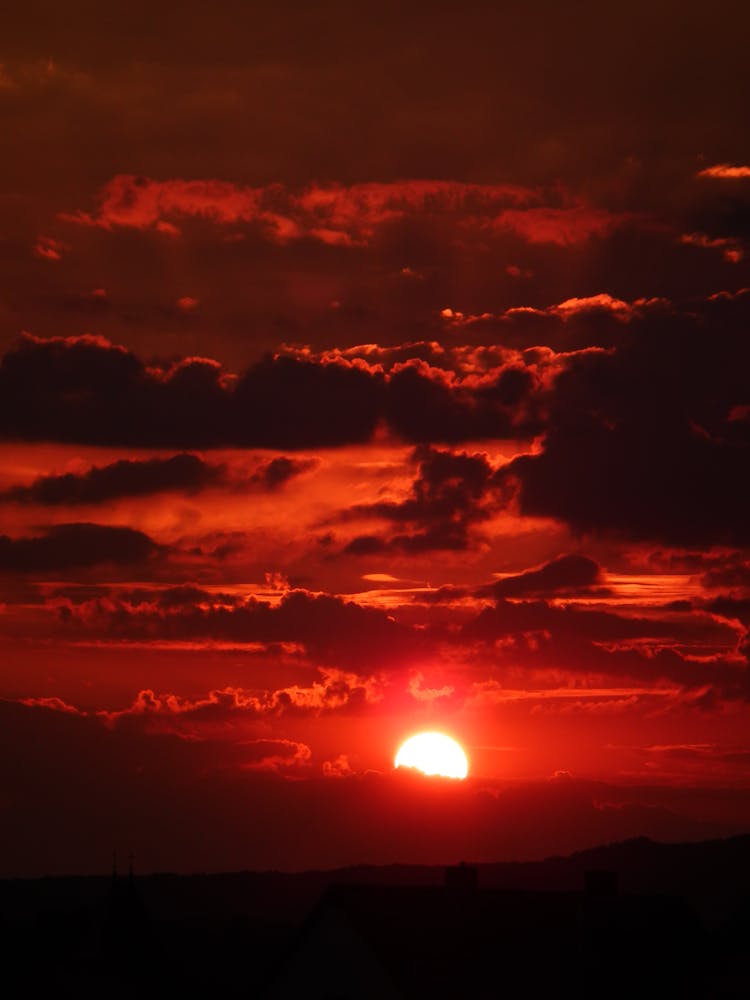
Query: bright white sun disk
[433, 753]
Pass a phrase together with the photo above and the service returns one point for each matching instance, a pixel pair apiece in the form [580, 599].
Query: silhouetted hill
[709, 874]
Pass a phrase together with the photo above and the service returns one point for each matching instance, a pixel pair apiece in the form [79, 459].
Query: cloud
[336, 215]
[75, 546]
[565, 574]
[668, 470]
[420, 692]
[184, 595]
[288, 402]
[697, 752]
[511, 617]
[453, 492]
[730, 573]
[604, 302]
[725, 171]
[85, 389]
[563, 226]
[232, 711]
[332, 629]
[272, 755]
[424, 404]
[185, 473]
[57, 704]
[601, 305]
[186, 303]
[733, 608]
[339, 767]
[276, 472]
[71, 595]
[49, 248]
[700, 665]
[125, 478]
[669, 467]
[730, 248]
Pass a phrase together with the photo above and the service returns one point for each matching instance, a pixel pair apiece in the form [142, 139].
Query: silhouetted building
[460, 941]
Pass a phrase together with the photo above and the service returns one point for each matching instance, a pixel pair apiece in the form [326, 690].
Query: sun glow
[433, 753]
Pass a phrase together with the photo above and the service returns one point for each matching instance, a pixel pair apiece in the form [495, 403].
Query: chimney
[464, 877]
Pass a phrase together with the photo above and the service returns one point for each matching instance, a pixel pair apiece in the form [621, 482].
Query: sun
[433, 753]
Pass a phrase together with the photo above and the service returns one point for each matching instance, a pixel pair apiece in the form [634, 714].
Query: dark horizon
[122, 867]
[671, 918]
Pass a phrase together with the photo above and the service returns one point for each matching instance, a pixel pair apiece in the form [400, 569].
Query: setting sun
[433, 753]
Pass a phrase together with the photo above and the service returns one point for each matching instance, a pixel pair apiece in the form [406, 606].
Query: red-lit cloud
[563, 226]
[334, 215]
[726, 171]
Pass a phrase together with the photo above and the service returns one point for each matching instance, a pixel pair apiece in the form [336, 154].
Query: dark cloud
[288, 402]
[659, 667]
[670, 469]
[275, 473]
[125, 478]
[730, 607]
[367, 545]
[445, 594]
[422, 407]
[524, 617]
[330, 628]
[75, 546]
[642, 442]
[696, 649]
[86, 390]
[566, 574]
[184, 473]
[731, 573]
[181, 596]
[451, 494]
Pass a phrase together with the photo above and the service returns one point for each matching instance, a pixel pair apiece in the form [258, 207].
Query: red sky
[365, 369]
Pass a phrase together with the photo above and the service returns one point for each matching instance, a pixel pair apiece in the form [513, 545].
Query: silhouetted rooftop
[442, 942]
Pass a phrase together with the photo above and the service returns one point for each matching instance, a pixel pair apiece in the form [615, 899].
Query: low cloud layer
[65, 547]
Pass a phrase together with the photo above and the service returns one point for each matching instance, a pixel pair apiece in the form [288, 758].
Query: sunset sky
[367, 369]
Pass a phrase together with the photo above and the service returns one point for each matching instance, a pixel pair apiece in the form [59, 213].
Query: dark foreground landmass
[606, 916]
